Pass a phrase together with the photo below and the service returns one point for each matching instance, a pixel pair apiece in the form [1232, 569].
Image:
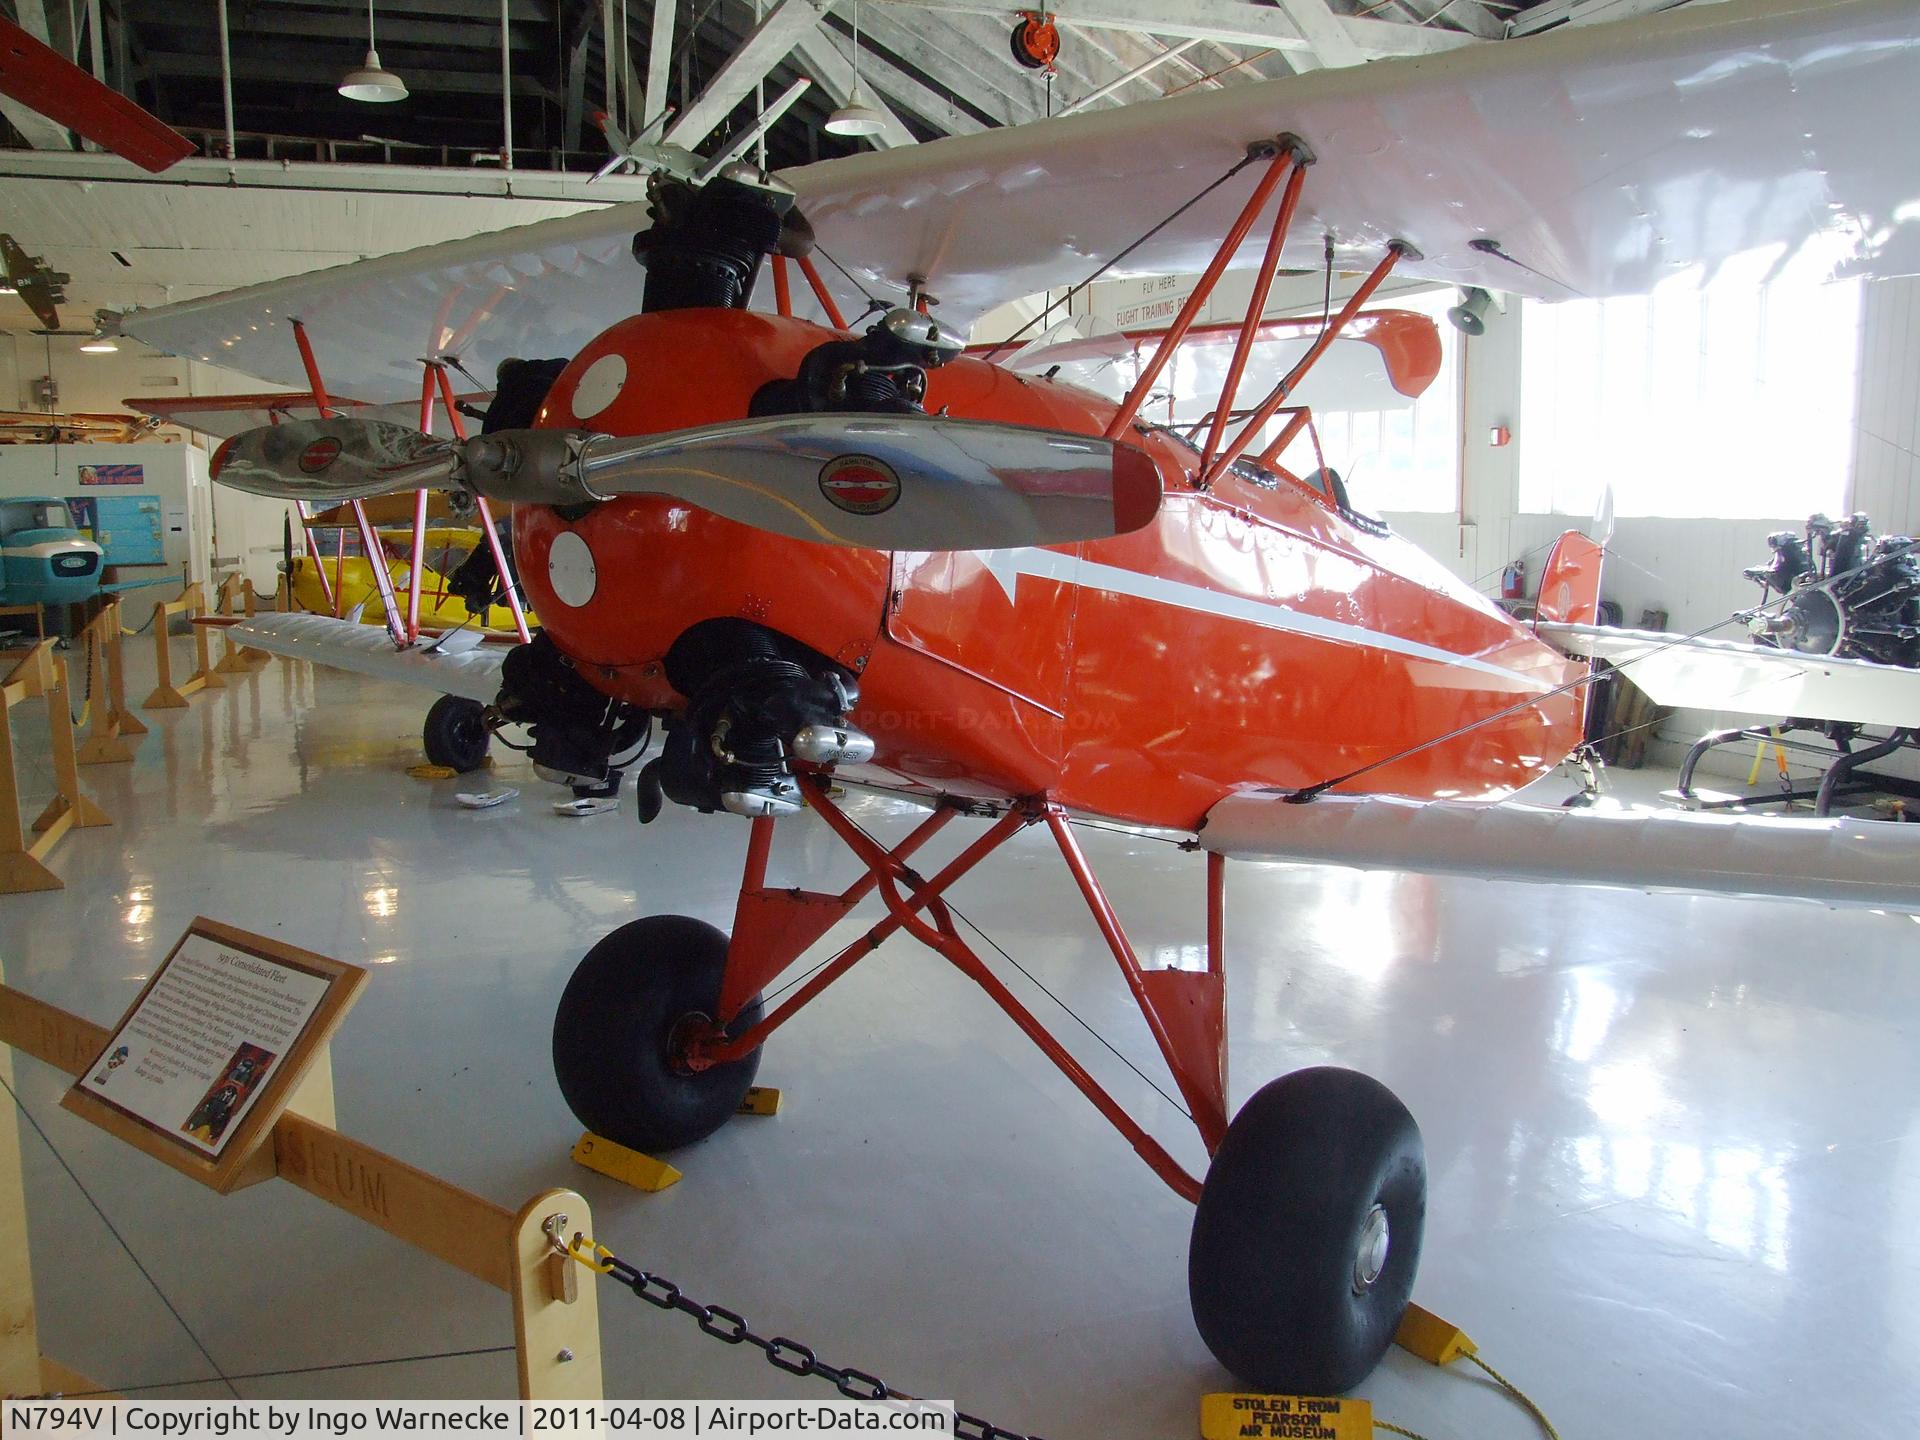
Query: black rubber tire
[1270, 1271]
[455, 734]
[614, 1030]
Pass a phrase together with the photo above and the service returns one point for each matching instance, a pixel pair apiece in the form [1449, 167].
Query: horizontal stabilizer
[1753, 679]
[1839, 862]
[473, 671]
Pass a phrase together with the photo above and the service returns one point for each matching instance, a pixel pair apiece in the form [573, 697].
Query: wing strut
[1288, 154]
[1256, 306]
[1277, 397]
[369, 537]
[486, 515]
[428, 369]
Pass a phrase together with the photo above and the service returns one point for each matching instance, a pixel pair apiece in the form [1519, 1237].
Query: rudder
[1570, 584]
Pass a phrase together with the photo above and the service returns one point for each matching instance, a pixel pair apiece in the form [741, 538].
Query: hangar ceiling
[349, 179]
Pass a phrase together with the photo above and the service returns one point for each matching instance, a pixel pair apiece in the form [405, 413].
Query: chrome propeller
[878, 482]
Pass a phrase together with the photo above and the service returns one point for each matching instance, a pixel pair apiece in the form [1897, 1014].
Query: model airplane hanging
[827, 552]
[41, 288]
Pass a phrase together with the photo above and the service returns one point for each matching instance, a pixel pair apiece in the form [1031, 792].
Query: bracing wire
[1031, 977]
[1133, 245]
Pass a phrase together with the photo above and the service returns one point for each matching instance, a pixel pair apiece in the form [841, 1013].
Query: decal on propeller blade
[319, 455]
[860, 484]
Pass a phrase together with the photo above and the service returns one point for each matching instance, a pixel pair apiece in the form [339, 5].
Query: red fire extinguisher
[1513, 581]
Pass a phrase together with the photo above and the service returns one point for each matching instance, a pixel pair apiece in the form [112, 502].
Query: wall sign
[113, 474]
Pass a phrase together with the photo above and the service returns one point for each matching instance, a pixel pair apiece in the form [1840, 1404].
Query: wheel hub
[683, 1043]
[1371, 1256]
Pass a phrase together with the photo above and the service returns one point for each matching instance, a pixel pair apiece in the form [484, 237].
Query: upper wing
[1602, 159]
[1854, 862]
[1738, 675]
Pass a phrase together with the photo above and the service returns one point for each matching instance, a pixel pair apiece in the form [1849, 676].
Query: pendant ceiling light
[371, 82]
[856, 117]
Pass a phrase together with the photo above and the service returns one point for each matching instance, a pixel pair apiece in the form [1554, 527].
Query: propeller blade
[882, 482]
[332, 460]
[873, 482]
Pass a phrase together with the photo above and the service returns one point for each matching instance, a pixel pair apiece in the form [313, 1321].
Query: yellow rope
[1519, 1396]
[1398, 1429]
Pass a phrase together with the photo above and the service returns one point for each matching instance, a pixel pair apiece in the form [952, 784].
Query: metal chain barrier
[729, 1327]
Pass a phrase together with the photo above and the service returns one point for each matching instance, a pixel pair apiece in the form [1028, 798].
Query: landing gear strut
[1307, 1229]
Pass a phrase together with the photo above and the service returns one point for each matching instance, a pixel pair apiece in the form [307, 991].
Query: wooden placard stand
[166, 695]
[110, 721]
[39, 674]
[243, 1157]
[556, 1317]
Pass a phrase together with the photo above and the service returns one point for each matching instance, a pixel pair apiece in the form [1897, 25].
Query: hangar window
[1407, 459]
[1731, 400]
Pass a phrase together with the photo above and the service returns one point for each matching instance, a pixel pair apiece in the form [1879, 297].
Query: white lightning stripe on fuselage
[1006, 566]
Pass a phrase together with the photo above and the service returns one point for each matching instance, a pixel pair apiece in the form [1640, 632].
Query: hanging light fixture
[856, 117]
[98, 345]
[371, 82]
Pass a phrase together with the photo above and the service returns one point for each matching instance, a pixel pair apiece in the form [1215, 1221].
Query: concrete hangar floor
[1673, 1145]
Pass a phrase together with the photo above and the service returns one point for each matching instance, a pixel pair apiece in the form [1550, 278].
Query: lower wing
[457, 663]
[1839, 862]
[1739, 675]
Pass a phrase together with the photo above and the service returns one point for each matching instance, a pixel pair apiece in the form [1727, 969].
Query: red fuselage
[1248, 636]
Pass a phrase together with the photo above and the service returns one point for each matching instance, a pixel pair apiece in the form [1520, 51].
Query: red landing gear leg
[1307, 1230]
[1185, 1010]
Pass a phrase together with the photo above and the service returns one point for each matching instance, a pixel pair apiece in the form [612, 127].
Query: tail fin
[1570, 585]
[1570, 592]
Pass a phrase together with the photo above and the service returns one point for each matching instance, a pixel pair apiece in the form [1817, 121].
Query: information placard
[202, 1065]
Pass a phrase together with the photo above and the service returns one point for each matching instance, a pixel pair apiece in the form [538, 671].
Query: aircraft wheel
[616, 1031]
[1307, 1234]
[455, 733]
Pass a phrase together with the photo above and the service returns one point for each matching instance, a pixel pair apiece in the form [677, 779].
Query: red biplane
[825, 552]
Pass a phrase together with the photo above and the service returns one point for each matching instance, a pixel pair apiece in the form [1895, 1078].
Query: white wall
[1887, 425]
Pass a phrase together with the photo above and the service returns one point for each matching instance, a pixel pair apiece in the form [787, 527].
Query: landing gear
[455, 734]
[619, 1035]
[1308, 1227]
[1307, 1234]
